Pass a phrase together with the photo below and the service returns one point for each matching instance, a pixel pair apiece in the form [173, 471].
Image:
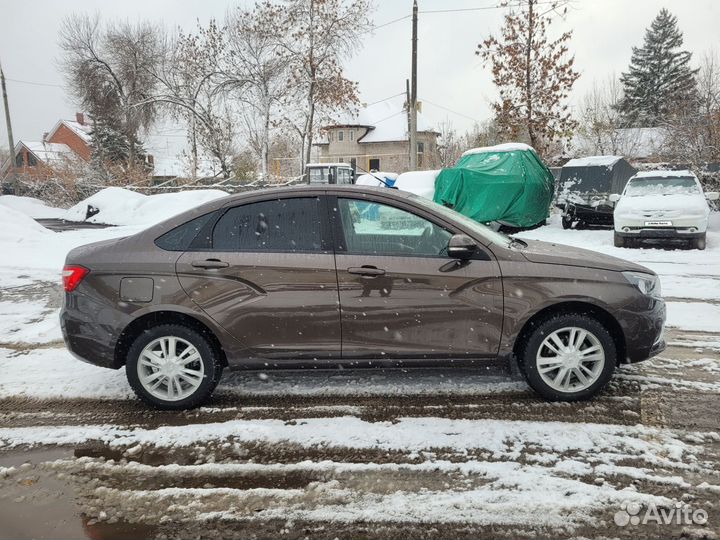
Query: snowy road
[372, 454]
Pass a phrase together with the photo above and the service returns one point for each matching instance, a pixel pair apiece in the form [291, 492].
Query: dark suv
[329, 276]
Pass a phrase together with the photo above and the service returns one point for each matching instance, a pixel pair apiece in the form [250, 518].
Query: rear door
[265, 271]
[401, 295]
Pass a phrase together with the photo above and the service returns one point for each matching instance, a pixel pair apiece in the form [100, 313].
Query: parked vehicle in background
[316, 276]
[662, 205]
[584, 188]
[329, 173]
[508, 184]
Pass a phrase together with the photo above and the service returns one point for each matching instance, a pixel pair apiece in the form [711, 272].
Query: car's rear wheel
[568, 357]
[173, 367]
[618, 240]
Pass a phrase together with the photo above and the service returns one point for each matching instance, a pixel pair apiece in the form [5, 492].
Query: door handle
[369, 271]
[210, 263]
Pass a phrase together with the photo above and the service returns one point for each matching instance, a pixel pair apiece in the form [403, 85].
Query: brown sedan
[329, 276]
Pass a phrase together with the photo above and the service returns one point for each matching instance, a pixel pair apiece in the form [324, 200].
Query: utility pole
[413, 92]
[11, 142]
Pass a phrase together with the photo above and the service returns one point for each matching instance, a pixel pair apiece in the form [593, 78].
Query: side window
[283, 225]
[372, 228]
[180, 238]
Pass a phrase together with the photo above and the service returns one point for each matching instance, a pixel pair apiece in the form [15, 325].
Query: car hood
[650, 203]
[551, 253]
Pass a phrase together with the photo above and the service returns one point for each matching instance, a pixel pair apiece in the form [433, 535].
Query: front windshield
[482, 230]
[662, 185]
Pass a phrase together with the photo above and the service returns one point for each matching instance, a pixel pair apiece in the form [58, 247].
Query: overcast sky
[450, 75]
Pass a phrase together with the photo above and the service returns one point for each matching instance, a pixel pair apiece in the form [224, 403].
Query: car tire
[542, 368]
[567, 222]
[618, 240]
[700, 243]
[191, 367]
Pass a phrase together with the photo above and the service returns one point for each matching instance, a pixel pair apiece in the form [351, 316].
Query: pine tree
[660, 79]
[110, 148]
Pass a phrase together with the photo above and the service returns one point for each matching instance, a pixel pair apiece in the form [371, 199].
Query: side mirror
[614, 197]
[461, 246]
[712, 195]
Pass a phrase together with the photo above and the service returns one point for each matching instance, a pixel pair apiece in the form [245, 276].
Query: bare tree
[450, 146]
[320, 35]
[600, 122]
[108, 68]
[533, 74]
[256, 72]
[695, 128]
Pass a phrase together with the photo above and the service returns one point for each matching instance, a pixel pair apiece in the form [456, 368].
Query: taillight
[72, 276]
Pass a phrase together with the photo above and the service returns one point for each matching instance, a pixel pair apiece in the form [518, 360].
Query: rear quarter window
[180, 238]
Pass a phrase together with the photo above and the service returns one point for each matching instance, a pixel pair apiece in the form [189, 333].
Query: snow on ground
[30, 206]
[52, 373]
[118, 206]
[28, 322]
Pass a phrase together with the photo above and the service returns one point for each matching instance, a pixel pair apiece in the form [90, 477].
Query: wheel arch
[576, 307]
[155, 318]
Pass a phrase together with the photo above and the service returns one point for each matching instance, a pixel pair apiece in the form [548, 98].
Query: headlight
[647, 284]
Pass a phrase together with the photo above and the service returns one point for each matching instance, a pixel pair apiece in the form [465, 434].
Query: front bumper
[676, 233]
[643, 329]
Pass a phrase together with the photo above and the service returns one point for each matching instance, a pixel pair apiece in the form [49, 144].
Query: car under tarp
[507, 183]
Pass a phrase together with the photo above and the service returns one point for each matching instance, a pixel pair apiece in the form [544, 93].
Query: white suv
[662, 205]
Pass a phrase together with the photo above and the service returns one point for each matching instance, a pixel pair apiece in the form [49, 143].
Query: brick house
[377, 137]
[67, 143]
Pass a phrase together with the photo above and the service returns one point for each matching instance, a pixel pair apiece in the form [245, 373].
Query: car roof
[301, 189]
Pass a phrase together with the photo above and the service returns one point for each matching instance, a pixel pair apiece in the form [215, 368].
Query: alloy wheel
[570, 359]
[170, 368]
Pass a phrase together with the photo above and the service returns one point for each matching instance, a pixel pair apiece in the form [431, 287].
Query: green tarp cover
[514, 187]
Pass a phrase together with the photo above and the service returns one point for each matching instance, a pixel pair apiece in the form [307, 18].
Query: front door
[402, 296]
[267, 275]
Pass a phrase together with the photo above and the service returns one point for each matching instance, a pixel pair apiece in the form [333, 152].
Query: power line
[34, 83]
[498, 6]
[393, 21]
[385, 99]
[450, 110]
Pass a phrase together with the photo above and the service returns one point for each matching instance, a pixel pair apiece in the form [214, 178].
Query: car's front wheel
[173, 367]
[700, 243]
[568, 357]
[618, 240]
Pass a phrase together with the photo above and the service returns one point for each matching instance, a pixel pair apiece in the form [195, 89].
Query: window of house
[281, 225]
[374, 164]
[352, 134]
[341, 136]
[32, 161]
[19, 162]
[373, 228]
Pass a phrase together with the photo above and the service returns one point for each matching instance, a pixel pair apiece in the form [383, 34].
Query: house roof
[386, 122]
[81, 130]
[47, 152]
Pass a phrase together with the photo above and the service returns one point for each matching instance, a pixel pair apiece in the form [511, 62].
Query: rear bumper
[88, 333]
[644, 331]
